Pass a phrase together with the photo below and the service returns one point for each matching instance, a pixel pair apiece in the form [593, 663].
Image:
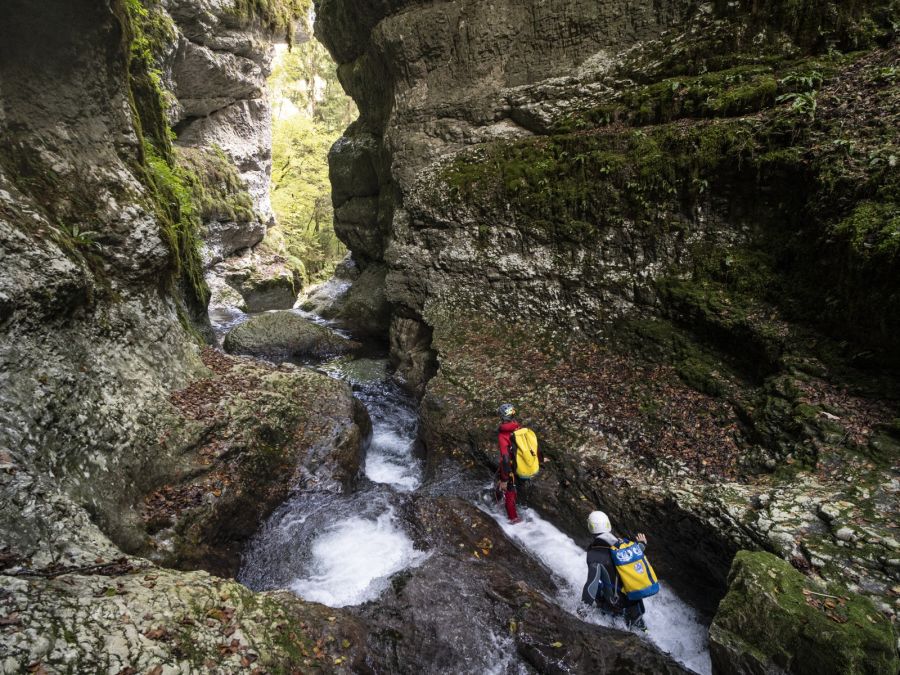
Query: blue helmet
[506, 411]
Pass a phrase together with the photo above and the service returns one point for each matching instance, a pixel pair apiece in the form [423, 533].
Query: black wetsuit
[603, 587]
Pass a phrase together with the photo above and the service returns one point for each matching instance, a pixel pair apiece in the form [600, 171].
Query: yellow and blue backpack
[637, 575]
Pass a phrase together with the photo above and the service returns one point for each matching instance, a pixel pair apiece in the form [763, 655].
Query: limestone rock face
[117, 433]
[430, 81]
[773, 620]
[216, 70]
[584, 207]
[284, 334]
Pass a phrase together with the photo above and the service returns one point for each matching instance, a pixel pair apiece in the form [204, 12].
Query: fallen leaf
[155, 634]
[10, 620]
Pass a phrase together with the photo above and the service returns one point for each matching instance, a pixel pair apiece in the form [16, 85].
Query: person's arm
[505, 467]
[598, 583]
[593, 584]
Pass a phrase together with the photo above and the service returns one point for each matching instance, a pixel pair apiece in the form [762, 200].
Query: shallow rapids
[344, 549]
[671, 624]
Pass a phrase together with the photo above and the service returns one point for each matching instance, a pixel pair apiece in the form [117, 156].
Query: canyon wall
[667, 231]
[126, 442]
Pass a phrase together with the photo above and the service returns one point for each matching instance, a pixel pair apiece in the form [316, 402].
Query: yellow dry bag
[638, 578]
[527, 462]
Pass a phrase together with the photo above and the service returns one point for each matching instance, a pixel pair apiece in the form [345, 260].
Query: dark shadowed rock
[364, 310]
[479, 589]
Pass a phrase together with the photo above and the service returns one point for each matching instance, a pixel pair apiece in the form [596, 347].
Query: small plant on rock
[74, 239]
[802, 103]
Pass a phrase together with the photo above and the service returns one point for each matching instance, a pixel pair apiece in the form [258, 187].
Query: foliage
[310, 113]
[802, 103]
[72, 238]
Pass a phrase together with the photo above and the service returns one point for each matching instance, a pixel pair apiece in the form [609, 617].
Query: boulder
[242, 437]
[775, 620]
[281, 335]
[365, 310]
[262, 292]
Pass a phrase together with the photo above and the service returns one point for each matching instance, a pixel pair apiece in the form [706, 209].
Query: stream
[343, 549]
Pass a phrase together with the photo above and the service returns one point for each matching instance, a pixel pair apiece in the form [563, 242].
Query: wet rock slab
[481, 603]
[284, 334]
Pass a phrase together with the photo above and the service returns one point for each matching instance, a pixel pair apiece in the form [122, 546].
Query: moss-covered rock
[131, 616]
[242, 437]
[284, 334]
[774, 619]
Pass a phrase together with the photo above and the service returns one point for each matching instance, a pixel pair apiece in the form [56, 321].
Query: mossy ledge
[775, 618]
[815, 205]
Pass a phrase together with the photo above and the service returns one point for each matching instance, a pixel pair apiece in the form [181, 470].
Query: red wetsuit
[506, 469]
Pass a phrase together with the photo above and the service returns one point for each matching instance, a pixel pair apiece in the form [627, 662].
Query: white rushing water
[353, 560]
[390, 461]
[340, 549]
[671, 624]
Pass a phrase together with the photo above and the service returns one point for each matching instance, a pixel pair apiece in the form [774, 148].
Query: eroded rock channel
[423, 559]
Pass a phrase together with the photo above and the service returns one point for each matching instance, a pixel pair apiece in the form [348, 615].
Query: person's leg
[634, 614]
[523, 490]
[510, 498]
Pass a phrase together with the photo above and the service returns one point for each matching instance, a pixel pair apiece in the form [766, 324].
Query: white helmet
[598, 523]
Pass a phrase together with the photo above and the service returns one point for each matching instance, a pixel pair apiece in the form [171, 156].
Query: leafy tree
[310, 111]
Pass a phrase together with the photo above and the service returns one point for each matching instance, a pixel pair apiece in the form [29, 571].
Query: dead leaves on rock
[834, 607]
[576, 384]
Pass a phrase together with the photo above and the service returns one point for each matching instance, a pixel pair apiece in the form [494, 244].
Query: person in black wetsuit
[603, 587]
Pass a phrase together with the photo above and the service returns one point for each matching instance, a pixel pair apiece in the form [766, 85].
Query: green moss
[215, 184]
[660, 340]
[570, 187]
[774, 616]
[173, 189]
[872, 229]
[275, 15]
[736, 324]
[147, 34]
[180, 218]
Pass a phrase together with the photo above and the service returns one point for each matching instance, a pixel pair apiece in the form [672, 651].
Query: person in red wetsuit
[506, 469]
